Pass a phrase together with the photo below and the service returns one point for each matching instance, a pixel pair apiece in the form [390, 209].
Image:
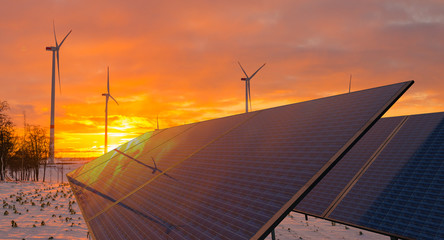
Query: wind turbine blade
[114, 99]
[257, 71]
[64, 39]
[243, 69]
[107, 83]
[55, 37]
[58, 70]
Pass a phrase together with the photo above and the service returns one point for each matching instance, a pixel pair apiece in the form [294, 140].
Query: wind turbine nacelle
[50, 48]
[104, 94]
[244, 79]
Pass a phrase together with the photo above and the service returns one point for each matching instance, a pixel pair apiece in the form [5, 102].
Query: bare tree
[6, 139]
[30, 152]
[37, 145]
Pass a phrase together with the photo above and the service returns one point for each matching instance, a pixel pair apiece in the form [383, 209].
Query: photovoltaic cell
[401, 192]
[228, 178]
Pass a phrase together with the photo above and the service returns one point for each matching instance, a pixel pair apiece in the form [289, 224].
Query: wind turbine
[247, 86]
[55, 50]
[107, 95]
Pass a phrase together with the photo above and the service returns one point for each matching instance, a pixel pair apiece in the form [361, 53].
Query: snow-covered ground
[294, 226]
[40, 211]
[45, 210]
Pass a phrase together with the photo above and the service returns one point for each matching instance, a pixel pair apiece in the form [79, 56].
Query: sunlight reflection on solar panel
[143, 143]
[116, 178]
[109, 155]
[235, 175]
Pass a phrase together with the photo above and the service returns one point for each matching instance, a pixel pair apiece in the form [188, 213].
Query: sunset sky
[178, 60]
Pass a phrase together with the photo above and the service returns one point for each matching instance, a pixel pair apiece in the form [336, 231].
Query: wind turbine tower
[107, 95]
[350, 84]
[55, 51]
[247, 86]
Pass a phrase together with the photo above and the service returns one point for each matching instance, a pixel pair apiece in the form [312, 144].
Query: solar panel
[401, 190]
[227, 178]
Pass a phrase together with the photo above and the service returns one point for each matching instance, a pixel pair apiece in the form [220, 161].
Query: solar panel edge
[410, 82]
[291, 204]
[90, 230]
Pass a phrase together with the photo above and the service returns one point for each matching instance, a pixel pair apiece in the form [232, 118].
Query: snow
[50, 216]
[294, 226]
[62, 223]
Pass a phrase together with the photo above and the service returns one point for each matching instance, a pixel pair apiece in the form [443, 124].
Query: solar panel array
[229, 178]
[392, 181]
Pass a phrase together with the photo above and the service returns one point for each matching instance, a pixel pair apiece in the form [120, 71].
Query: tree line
[21, 156]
